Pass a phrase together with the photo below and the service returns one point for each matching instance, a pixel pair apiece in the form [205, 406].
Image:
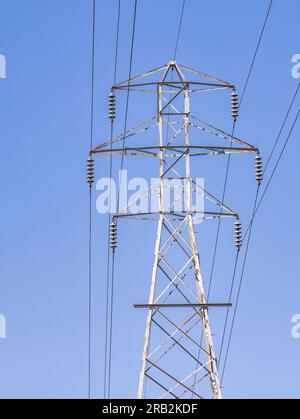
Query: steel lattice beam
[178, 313]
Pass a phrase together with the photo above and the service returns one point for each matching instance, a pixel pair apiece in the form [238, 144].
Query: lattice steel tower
[179, 358]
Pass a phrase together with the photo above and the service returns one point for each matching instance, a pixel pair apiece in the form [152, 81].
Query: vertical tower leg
[206, 360]
[206, 329]
[151, 301]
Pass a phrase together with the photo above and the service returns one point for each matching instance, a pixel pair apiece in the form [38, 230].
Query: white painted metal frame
[175, 233]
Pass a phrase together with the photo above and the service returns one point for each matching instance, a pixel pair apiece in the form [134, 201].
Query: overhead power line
[277, 163]
[118, 199]
[228, 309]
[229, 157]
[234, 127]
[219, 221]
[239, 292]
[226, 181]
[128, 91]
[275, 145]
[256, 50]
[90, 198]
[179, 29]
[117, 41]
[273, 173]
[282, 127]
[256, 207]
[227, 171]
[108, 272]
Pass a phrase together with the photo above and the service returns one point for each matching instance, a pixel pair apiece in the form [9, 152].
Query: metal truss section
[178, 358]
[177, 318]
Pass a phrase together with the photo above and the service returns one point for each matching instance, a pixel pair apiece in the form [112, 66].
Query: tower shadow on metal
[178, 358]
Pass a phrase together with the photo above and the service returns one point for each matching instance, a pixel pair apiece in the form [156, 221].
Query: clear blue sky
[44, 110]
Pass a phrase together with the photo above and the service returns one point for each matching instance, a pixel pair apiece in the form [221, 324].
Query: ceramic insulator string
[90, 170]
[113, 236]
[111, 106]
[259, 169]
[234, 105]
[238, 234]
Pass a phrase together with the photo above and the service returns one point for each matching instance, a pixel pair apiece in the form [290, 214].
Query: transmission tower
[178, 357]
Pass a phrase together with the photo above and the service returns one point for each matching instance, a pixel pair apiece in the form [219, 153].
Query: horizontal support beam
[178, 214]
[167, 83]
[175, 147]
[208, 305]
[174, 113]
